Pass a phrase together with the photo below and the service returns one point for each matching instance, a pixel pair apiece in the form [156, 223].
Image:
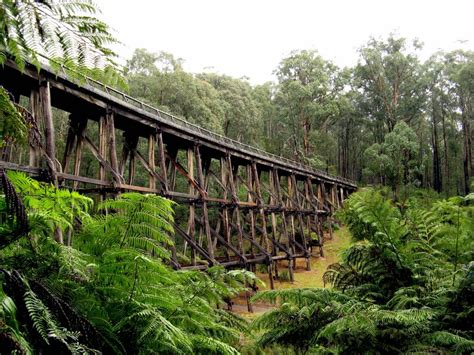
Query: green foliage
[160, 80]
[65, 29]
[111, 290]
[50, 208]
[143, 222]
[306, 102]
[404, 287]
[68, 35]
[284, 275]
[12, 126]
[396, 158]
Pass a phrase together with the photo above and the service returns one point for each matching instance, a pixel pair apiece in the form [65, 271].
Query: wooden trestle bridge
[244, 205]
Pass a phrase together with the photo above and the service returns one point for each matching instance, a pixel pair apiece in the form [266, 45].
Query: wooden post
[173, 154]
[132, 142]
[317, 219]
[47, 113]
[331, 208]
[162, 158]
[260, 204]
[289, 203]
[225, 210]
[102, 145]
[81, 128]
[273, 202]
[235, 199]
[250, 188]
[70, 142]
[291, 247]
[204, 202]
[110, 123]
[49, 134]
[299, 206]
[34, 159]
[151, 161]
[192, 213]
[270, 274]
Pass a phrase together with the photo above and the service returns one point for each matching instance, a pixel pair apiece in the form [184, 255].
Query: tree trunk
[446, 157]
[467, 143]
[437, 185]
[306, 129]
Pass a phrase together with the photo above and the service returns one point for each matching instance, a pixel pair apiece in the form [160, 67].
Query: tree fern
[143, 222]
[54, 28]
[392, 292]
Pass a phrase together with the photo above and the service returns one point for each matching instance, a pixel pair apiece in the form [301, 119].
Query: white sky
[249, 38]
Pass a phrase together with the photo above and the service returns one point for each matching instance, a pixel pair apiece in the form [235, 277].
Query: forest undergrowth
[404, 285]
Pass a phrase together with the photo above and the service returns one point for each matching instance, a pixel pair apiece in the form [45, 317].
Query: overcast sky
[249, 38]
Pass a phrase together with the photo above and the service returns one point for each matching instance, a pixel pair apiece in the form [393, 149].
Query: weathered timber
[285, 201]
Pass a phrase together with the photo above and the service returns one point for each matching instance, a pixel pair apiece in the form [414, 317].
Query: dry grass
[303, 278]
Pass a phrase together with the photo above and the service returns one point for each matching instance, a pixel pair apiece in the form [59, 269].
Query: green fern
[393, 291]
[133, 220]
[68, 29]
[12, 125]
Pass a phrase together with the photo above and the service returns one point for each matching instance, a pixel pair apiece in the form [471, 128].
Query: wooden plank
[84, 179]
[194, 245]
[185, 173]
[151, 171]
[225, 243]
[17, 167]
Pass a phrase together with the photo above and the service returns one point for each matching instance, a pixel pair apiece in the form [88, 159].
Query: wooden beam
[110, 121]
[203, 194]
[49, 134]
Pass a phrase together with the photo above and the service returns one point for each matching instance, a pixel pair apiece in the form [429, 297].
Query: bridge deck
[104, 97]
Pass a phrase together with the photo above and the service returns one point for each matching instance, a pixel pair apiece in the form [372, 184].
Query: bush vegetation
[405, 286]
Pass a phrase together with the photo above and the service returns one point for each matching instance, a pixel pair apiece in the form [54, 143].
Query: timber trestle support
[238, 206]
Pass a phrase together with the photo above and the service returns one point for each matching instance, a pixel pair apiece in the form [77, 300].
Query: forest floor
[332, 253]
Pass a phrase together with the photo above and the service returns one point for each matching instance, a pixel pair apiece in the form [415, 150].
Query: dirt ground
[303, 278]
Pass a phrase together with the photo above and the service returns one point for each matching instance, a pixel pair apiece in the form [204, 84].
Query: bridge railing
[203, 131]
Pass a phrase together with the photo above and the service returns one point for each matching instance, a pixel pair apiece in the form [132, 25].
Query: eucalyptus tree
[395, 160]
[241, 119]
[390, 79]
[263, 96]
[306, 100]
[460, 69]
[161, 80]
